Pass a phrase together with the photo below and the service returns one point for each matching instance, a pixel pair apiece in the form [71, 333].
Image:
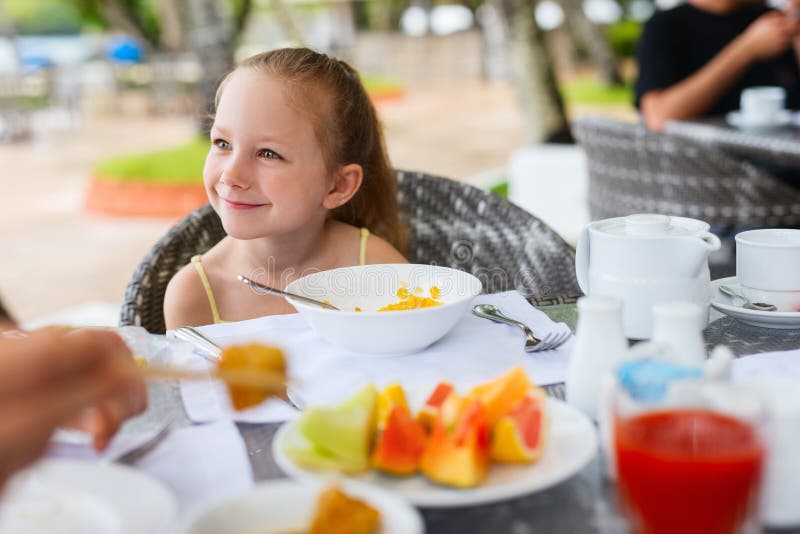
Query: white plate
[572, 443]
[74, 497]
[280, 506]
[725, 304]
[784, 118]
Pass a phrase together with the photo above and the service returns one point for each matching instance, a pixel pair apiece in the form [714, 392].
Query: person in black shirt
[695, 59]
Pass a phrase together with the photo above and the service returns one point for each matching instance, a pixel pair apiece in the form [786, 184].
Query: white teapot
[645, 259]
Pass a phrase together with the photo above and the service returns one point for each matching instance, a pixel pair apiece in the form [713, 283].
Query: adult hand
[49, 377]
[770, 35]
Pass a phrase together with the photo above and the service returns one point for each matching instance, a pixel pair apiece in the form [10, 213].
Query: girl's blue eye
[269, 154]
[221, 143]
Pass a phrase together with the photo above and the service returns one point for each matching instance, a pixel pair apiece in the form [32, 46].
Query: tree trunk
[169, 18]
[590, 35]
[210, 36]
[533, 74]
[494, 64]
[288, 21]
[122, 17]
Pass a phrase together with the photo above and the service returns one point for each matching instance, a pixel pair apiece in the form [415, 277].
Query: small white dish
[784, 117]
[726, 305]
[281, 506]
[76, 497]
[572, 444]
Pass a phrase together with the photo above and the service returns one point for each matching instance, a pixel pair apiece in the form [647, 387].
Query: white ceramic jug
[645, 259]
[599, 346]
[678, 327]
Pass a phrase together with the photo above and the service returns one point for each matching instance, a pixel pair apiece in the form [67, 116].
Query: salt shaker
[678, 329]
[599, 346]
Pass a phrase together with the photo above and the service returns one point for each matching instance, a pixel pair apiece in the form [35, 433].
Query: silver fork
[551, 340]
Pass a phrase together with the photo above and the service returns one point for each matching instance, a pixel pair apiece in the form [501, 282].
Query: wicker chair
[451, 224]
[635, 170]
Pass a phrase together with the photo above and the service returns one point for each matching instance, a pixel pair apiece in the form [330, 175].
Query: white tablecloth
[474, 351]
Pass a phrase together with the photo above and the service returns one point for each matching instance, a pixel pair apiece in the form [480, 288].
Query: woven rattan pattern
[635, 170]
[450, 223]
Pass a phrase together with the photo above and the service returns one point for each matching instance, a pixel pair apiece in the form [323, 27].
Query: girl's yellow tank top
[212, 302]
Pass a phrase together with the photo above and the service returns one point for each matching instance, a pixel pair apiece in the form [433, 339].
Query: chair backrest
[635, 170]
[451, 224]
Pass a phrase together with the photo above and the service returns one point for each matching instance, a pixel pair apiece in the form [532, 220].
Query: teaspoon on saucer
[756, 306]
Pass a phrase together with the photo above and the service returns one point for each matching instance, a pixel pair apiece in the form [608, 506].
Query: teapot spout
[705, 243]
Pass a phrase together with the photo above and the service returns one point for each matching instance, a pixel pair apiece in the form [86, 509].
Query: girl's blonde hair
[347, 128]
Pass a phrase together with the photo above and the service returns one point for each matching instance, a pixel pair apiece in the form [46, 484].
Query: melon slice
[521, 435]
[400, 444]
[343, 433]
[393, 395]
[443, 401]
[500, 394]
[459, 458]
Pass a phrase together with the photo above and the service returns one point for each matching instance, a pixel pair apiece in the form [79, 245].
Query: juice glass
[691, 465]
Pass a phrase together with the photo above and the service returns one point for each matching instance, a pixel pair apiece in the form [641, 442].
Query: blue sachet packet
[646, 380]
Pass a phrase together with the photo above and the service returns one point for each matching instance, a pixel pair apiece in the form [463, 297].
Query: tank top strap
[362, 253]
[212, 302]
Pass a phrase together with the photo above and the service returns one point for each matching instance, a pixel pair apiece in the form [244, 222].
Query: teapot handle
[712, 241]
[582, 261]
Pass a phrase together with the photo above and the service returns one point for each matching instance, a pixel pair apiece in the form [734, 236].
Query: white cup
[768, 266]
[762, 104]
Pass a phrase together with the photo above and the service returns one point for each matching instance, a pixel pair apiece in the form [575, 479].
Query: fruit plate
[572, 444]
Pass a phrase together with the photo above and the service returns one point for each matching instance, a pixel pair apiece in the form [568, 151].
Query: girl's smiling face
[265, 173]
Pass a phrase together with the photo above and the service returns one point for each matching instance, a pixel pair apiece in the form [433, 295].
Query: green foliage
[178, 165]
[500, 189]
[590, 90]
[43, 16]
[623, 36]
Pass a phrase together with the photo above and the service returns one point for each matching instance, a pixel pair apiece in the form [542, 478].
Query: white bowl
[370, 287]
[279, 506]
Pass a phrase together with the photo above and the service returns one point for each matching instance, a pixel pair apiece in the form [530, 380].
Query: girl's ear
[345, 184]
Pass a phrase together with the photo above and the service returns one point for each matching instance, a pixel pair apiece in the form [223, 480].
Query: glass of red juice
[690, 468]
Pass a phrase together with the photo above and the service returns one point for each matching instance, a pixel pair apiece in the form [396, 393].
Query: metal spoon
[757, 306]
[272, 291]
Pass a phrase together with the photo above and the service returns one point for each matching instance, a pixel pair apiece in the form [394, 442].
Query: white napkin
[201, 463]
[783, 364]
[474, 351]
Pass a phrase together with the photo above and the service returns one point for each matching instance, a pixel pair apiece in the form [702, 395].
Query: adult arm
[49, 377]
[767, 37]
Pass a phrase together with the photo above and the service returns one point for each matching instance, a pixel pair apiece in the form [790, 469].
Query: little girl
[299, 175]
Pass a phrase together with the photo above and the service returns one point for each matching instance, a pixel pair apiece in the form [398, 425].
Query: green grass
[178, 165]
[593, 91]
[500, 189]
[375, 83]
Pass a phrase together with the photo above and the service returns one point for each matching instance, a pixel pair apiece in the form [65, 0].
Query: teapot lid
[650, 225]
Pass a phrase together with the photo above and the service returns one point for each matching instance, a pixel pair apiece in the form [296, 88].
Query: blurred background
[103, 105]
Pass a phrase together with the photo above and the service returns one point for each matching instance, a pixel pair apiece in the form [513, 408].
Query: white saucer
[725, 304]
[784, 118]
[69, 496]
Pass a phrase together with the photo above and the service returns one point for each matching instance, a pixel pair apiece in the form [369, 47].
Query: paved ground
[56, 256]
